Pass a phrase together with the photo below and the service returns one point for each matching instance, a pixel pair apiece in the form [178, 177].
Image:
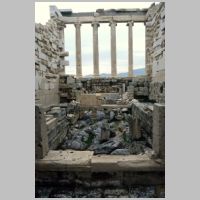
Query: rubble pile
[104, 132]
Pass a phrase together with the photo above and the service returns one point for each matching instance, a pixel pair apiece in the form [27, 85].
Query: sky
[42, 15]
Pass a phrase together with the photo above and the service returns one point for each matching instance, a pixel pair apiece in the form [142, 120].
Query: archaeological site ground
[99, 137]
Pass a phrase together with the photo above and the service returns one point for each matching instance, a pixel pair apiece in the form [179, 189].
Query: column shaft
[95, 49]
[78, 51]
[113, 49]
[130, 49]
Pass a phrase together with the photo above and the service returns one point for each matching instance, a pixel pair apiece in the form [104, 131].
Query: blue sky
[42, 16]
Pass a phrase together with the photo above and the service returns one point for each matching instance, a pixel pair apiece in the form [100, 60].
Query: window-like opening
[70, 45]
[139, 49]
[122, 49]
[104, 49]
[87, 49]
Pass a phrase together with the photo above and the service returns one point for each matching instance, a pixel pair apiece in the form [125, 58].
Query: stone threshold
[71, 160]
[107, 106]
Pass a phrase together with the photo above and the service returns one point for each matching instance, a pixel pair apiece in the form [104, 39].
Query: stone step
[71, 160]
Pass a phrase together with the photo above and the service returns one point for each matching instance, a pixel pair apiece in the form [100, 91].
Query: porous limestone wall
[57, 126]
[139, 86]
[69, 88]
[157, 91]
[144, 112]
[155, 42]
[49, 62]
[51, 127]
[105, 85]
[41, 138]
[93, 180]
[155, 51]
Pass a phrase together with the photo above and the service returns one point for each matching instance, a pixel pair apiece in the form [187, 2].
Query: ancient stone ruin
[100, 137]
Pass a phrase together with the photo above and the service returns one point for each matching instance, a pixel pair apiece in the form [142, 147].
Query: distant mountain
[137, 72]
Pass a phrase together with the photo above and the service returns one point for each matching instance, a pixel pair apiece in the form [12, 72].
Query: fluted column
[113, 48]
[78, 50]
[130, 48]
[95, 26]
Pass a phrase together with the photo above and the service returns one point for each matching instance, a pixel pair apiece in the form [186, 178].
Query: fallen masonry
[99, 137]
[105, 132]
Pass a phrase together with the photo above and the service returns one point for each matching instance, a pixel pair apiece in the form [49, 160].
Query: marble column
[78, 50]
[130, 48]
[113, 48]
[95, 26]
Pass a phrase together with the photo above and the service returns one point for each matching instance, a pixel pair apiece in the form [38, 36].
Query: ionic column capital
[130, 23]
[95, 24]
[113, 23]
[77, 24]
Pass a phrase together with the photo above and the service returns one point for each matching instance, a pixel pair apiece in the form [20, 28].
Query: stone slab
[71, 160]
[51, 123]
[90, 99]
[124, 163]
[65, 160]
[111, 106]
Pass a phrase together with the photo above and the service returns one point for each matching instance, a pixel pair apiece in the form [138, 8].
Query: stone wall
[105, 85]
[138, 86]
[159, 130]
[155, 51]
[155, 42]
[157, 92]
[51, 127]
[93, 180]
[49, 61]
[69, 88]
[41, 139]
[144, 113]
[57, 126]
